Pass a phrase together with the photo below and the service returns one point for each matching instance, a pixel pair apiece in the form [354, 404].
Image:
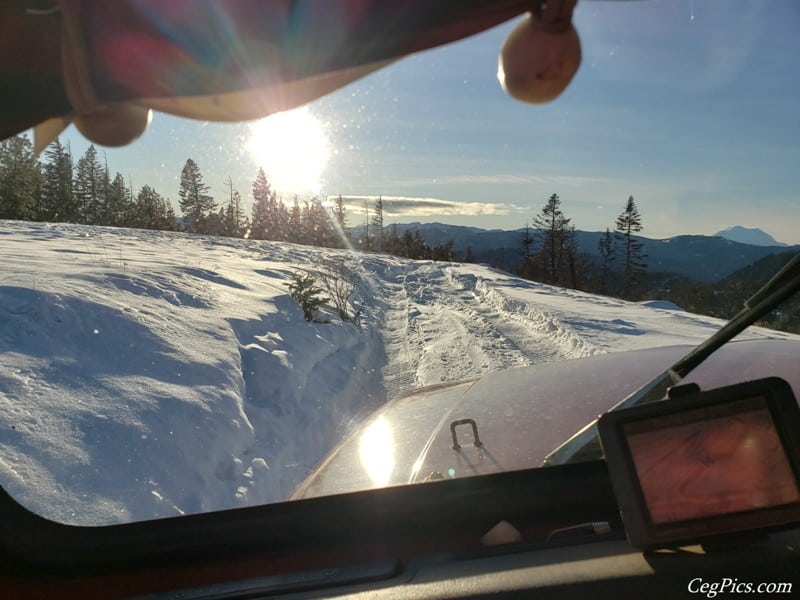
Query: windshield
[229, 314]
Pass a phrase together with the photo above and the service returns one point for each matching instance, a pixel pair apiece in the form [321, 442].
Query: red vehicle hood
[521, 414]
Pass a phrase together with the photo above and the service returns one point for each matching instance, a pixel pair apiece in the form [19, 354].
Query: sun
[293, 150]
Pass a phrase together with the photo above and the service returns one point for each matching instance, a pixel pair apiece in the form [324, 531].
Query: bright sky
[688, 105]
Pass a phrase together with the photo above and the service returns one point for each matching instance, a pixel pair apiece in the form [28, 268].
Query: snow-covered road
[442, 323]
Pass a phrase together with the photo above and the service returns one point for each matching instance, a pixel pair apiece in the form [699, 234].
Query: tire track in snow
[457, 331]
[439, 323]
[541, 325]
[537, 344]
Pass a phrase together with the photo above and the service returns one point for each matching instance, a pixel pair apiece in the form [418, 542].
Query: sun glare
[292, 149]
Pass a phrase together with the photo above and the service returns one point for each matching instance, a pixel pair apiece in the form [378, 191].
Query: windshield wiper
[585, 445]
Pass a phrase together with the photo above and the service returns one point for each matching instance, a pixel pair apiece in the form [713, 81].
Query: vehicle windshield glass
[222, 315]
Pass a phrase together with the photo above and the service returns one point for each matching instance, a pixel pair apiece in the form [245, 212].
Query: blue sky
[688, 105]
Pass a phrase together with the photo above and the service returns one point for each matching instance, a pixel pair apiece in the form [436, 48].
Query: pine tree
[573, 260]
[552, 224]
[316, 225]
[168, 221]
[407, 244]
[377, 225]
[443, 252]
[527, 267]
[295, 224]
[340, 214]
[213, 222]
[102, 210]
[393, 242]
[56, 201]
[266, 218]
[306, 228]
[233, 222]
[88, 187]
[20, 179]
[413, 246]
[605, 247]
[119, 204]
[421, 249]
[366, 241]
[151, 211]
[282, 221]
[631, 252]
[195, 201]
[341, 236]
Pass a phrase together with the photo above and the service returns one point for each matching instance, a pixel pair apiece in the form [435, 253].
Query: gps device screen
[725, 459]
[706, 464]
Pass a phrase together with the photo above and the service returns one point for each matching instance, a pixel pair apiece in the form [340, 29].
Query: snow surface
[148, 374]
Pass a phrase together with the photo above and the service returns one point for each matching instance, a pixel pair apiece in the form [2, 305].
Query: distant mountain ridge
[724, 298]
[700, 257]
[749, 235]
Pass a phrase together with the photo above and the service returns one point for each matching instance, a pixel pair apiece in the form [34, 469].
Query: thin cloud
[401, 206]
[514, 179]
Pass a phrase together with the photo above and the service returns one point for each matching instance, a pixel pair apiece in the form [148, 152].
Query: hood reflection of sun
[292, 148]
[376, 451]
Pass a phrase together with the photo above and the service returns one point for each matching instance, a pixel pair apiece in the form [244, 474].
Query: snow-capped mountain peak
[748, 235]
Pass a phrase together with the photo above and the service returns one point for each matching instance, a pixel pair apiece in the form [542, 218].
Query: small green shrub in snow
[304, 290]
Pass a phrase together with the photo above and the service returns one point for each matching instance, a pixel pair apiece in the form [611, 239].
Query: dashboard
[419, 541]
